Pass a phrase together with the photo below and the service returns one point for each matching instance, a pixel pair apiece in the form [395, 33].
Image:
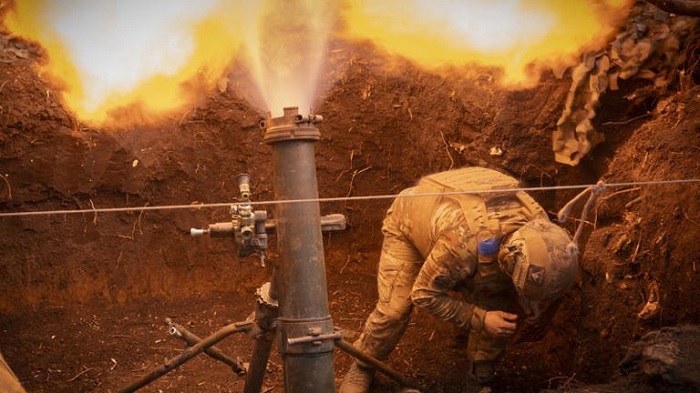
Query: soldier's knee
[386, 314]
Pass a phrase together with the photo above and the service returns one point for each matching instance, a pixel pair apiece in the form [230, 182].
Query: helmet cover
[538, 259]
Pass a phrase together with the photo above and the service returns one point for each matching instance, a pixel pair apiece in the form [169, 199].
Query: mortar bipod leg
[266, 313]
[189, 352]
[190, 338]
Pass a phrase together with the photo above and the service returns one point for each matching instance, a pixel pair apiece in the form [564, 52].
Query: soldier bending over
[499, 247]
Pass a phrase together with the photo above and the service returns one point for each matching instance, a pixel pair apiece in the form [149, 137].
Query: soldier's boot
[357, 380]
[484, 372]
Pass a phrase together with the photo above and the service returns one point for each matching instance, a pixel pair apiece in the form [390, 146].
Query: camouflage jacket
[445, 236]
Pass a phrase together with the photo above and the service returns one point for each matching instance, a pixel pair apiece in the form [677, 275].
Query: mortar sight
[244, 185]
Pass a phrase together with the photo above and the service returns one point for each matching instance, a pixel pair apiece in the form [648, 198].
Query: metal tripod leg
[258, 363]
[266, 313]
[182, 333]
[190, 352]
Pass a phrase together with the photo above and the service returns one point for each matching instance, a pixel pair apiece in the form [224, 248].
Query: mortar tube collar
[306, 336]
[292, 133]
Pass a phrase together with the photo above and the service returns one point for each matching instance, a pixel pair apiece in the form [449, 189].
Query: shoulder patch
[535, 275]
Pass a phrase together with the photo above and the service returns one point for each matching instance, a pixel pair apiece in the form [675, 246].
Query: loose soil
[84, 296]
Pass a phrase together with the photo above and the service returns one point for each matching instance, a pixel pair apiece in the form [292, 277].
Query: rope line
[337, 199]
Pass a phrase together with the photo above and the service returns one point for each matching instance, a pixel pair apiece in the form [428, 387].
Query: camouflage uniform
[430, 250]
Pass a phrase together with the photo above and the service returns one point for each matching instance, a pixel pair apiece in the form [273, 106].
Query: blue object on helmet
[487, 246]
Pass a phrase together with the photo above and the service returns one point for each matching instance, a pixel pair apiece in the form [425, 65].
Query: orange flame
[519, 36]
[126, 60]
[108, 57]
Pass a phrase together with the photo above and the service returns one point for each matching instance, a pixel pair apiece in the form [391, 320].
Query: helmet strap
[520, 271]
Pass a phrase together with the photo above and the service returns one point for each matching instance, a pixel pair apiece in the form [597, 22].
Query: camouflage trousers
[399, 265]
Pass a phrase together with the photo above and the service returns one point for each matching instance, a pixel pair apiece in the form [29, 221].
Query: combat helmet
[539, 258]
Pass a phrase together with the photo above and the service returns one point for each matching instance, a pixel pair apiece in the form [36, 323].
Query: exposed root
[601, 200]
[352, 179]
[620, 123]
[652, 307]
[119, 259]
[633, 202]
[94, 220]
[9, 188]
[567, 384]
[137, 224]
[690, 219]
[636, 249]
[619, 192]
[345, 265]
[86, 369]
[447, 149]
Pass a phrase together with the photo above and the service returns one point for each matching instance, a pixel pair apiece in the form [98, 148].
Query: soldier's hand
[500, 323]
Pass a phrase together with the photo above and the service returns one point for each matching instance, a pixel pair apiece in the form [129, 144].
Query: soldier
[497, 246]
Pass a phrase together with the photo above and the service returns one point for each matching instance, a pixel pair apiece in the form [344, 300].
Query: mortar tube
[302, 288]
